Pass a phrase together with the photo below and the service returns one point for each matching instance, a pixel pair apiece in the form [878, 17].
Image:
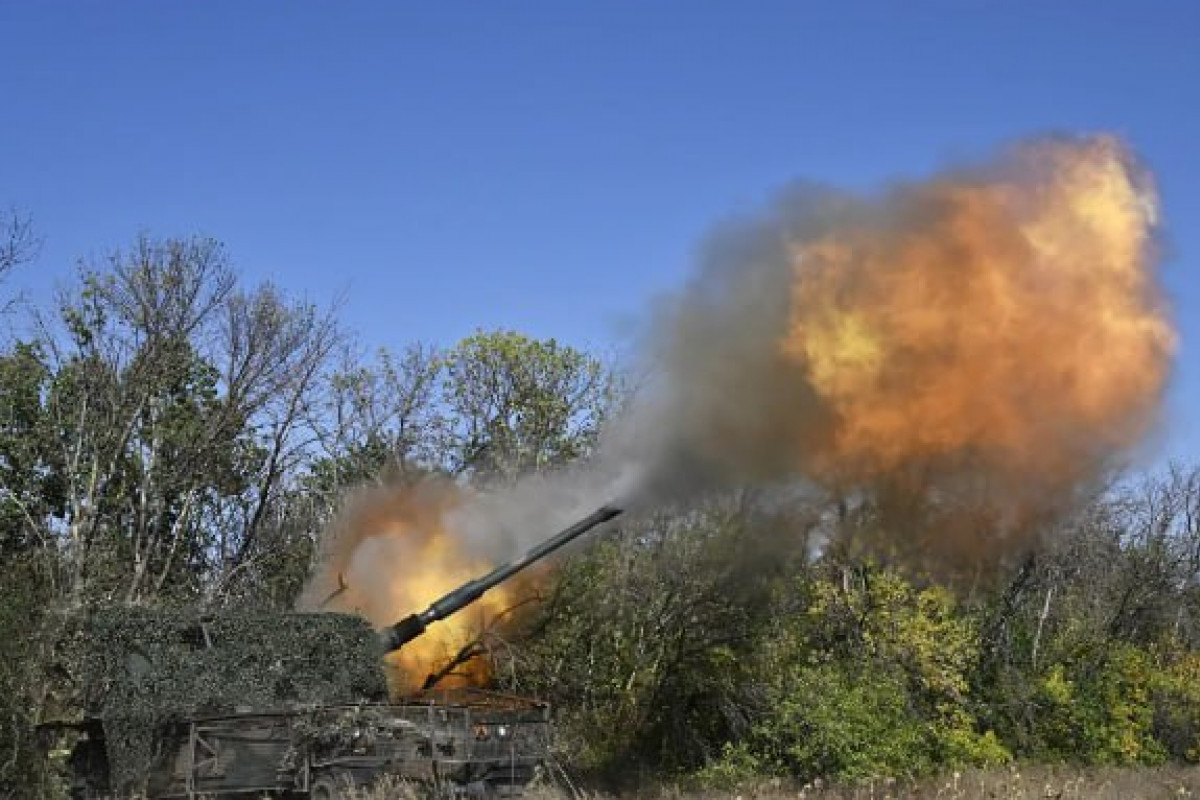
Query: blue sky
[551, 167]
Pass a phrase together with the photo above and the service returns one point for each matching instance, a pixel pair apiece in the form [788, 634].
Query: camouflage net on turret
[140, 670]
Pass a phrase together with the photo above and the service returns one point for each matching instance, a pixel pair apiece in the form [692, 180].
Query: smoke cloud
[992, 337]
[1004, 321]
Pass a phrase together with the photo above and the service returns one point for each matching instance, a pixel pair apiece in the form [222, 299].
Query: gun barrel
[412, 626]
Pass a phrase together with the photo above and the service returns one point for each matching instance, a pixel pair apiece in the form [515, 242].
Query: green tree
[142, 440]
[173, 414]
[516, 404]
[29, 489]
[872, 678]
[646, 643]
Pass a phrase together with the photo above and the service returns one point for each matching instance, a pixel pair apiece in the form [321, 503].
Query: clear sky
[550, 167]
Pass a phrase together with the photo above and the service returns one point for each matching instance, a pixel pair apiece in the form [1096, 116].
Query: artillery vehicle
[177, 704]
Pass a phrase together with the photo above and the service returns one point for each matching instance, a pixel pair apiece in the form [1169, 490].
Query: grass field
[1033, 783]
[1057, 783]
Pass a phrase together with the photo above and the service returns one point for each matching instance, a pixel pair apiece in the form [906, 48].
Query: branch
[474, 648]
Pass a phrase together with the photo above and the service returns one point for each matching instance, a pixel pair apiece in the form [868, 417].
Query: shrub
[845, 721]
[1099, 709]
[738, 765]
[1176, 701]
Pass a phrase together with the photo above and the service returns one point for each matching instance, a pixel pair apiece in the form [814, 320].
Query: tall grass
[1017, 783]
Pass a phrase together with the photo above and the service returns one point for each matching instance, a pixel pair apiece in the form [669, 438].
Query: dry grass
[1033, 783]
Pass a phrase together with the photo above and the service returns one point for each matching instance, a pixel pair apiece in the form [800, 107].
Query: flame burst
[393, 556]
[989, 340]
[1010, 318]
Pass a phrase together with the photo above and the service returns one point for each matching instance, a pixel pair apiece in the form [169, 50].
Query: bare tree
[380, 419]
[275, 354]
[19, 244]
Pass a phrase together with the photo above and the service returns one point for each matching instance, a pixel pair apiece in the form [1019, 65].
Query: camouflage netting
[141, 669]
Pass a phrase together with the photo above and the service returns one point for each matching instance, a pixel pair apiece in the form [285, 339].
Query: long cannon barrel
[414, 625]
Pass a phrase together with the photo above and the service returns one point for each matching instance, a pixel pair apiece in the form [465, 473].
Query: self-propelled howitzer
[184, 704]
[412, 626]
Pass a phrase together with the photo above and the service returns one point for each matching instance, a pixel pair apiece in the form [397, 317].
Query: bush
[739, 765]
[24, 771]
[884, 686]
[1176, 701]
[1099, 709]
[846, 721]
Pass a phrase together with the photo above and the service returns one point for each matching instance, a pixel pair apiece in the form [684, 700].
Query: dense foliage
[171, 437]
[724, 665]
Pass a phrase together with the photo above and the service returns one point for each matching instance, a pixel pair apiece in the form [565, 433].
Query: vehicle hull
[468, 740]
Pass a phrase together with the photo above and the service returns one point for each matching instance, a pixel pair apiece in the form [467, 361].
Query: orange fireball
[392, 555]
[1010, 318]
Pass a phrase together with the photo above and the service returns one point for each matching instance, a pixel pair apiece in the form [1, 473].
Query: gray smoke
[714, 413]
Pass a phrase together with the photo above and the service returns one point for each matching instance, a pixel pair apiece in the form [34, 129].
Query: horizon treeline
[170, 436]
